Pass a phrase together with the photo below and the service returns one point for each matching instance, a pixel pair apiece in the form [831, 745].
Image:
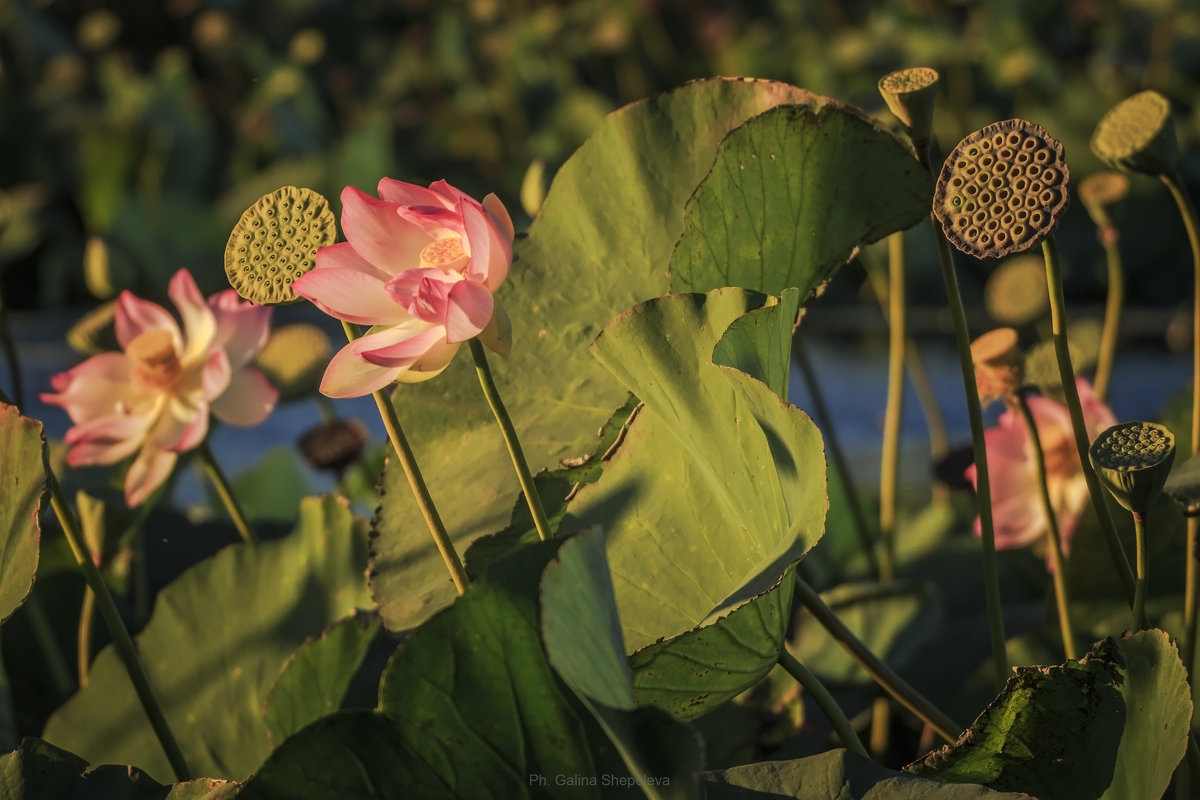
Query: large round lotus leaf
[275, 242]
[22, 485]
[837, 773]
[218, 637]
[41, 771]
[719, 484]
[601, 242]
[1112, 725]
[793, 192]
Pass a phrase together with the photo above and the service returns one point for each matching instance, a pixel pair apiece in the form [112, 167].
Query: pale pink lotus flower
[154, 398]
[420, 266]
[1016, 497]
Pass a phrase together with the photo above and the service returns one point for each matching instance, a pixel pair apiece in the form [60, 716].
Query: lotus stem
[408, 461]
[890, 457]
[991, 582]
[1061, 600]
[84, 637]
[1066, 372]
[892, 683]
[1139, 593]
[824, 700]
[511, 441]
[1112, 312]
[836, 454]
[225, 492]
[120, 636]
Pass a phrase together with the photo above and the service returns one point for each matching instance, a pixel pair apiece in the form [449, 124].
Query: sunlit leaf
[22, 486]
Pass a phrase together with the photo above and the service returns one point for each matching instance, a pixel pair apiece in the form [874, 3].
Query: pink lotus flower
[420, 266]
[1016, 498]
[154, 398]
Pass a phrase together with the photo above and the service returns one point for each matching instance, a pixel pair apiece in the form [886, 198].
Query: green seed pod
[1015, 293]
[1133, 460]
[1184, 486]
[275, 242]
[1002, 189]
[1138, 135]
[294, 359]
[910, 94]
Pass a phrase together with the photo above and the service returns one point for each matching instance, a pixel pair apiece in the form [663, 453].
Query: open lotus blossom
[420, 266]
[1016, 502]
[153, 399]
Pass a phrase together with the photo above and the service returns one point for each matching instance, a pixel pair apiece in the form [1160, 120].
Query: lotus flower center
[445, 254]
[155, 361]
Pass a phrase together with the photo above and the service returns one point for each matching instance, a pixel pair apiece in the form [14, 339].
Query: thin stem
[408, 461]
[991, 577]
[1187, 211]
[1066, 372]
[890, 456]
[817, 691]
[492, 394]
[225, 491]
[120, 636]
[1061, 600]
[1139, 594]
[84, 638]
[1112, 311]
[892, 683]
[836, 454]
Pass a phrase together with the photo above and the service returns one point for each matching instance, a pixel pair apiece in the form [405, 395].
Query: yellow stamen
[445, 254]
[155, 360]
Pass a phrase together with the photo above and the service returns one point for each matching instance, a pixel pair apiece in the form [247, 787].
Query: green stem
[1061, 600]
[1139, 593]
[1187, 211]
[983, 488]
[120, 636]
[817, 691]
[1112, 312]
[408, 462]
[890, 455]
[225, 491]
[838, 456]
[492, 394]
[84, 637]
[892, 683]
[1066, 373]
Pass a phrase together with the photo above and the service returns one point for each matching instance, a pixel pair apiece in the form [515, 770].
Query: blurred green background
[150, 128]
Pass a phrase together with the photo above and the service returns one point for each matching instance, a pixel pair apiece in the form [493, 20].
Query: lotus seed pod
[95, 333]
[1184, 486]
[1015, 293]
[910, 95]
[999, 364]
[1138, 135]
[294, 359]
[1002, 189]
[333, 445]
[1133, 460]
[275, 242]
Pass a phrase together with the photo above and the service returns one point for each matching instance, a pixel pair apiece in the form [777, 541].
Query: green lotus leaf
[610, 221]
[22, 489]
[1111, 725]
[218, 637]
[792, 194]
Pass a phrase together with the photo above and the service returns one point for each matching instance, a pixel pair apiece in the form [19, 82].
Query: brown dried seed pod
[1040, 187]
[1138, 135]
[910, 95]
[275, 242]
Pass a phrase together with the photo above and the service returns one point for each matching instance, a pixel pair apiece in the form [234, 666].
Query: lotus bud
[910, 94]
[1138, 135]
[999, 364]
[1133, 460]
[1002, 189]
